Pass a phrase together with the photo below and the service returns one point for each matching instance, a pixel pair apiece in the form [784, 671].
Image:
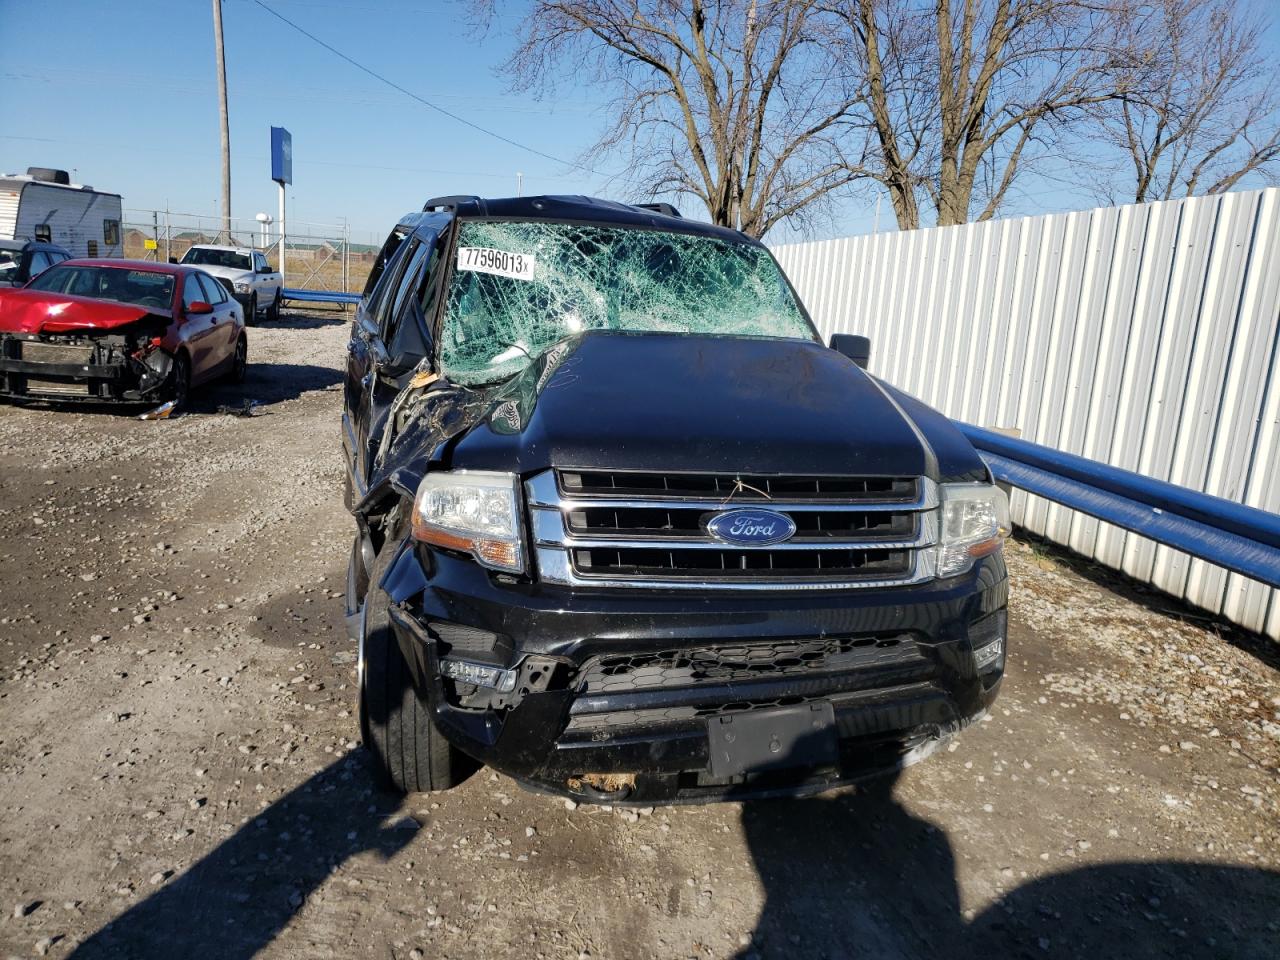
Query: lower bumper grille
[722, 663]
[57, 388]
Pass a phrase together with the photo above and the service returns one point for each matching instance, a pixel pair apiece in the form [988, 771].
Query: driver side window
[389, 320]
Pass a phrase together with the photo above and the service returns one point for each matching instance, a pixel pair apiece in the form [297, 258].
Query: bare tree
[962, 93]
[734, 102]
[1202, 110]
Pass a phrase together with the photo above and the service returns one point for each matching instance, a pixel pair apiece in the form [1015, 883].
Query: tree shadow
[236, 900]
[861, 876]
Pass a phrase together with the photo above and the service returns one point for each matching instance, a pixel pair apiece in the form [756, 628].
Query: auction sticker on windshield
[517, 266]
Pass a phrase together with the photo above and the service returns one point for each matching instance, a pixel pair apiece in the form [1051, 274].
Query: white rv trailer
[44, 204]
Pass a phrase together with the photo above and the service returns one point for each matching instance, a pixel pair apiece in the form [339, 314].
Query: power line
[357, 165]
[422, 100]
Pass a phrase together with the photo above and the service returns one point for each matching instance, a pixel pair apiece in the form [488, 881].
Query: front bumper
[623, 690]
[97, 369]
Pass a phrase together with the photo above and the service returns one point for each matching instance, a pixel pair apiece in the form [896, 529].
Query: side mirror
[856, 348]
[173, 259]
[199, 306]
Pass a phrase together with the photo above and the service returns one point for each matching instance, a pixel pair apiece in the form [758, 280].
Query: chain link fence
[316, 257]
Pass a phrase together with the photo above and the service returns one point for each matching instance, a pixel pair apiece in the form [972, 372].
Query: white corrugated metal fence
[1142, 336]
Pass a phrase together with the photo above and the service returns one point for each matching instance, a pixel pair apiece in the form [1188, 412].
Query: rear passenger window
[214, 291]
[191, 291]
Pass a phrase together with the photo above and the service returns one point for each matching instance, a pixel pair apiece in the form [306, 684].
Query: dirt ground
[180, 774]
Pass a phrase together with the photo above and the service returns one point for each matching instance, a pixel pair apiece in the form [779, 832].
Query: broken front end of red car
[68, 351]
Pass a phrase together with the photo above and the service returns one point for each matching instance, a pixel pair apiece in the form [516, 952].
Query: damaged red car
[130, 331]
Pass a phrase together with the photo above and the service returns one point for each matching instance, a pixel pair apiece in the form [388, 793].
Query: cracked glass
[518, 288]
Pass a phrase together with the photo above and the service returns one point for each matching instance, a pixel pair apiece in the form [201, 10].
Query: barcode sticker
[517, 266]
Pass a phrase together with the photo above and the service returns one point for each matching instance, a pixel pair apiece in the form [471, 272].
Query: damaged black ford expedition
[628, 531]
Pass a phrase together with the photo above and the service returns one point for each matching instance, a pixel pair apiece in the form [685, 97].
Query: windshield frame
[711, 233]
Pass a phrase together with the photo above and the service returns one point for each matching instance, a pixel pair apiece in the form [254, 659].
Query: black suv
[629, 531]
[22, 261]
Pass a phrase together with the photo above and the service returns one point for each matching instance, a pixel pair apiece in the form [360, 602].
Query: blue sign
[281, 155]
[751, 528]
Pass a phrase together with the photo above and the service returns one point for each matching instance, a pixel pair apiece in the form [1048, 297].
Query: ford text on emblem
[753, 528]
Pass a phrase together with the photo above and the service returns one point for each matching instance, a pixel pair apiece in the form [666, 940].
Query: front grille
[624, 528]
[37, 351]
[728, 663]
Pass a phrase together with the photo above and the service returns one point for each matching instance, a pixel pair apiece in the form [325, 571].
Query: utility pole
[226, 129]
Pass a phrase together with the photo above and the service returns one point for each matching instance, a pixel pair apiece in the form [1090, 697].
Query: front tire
[409, 753]
[240, 360]
[180, 380]
[251, 311]
[273, 311]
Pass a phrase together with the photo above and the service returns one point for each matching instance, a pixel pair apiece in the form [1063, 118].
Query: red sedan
[118, 330]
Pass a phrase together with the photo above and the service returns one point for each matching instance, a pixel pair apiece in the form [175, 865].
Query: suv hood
[668, 402]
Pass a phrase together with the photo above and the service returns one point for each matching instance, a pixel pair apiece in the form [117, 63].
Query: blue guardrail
[1242, 539]
[320, 296]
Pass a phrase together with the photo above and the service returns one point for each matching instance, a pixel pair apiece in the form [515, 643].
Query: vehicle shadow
[236, 900]
[861, 876]
[264, 383]
[1141, 594]
[307, 321]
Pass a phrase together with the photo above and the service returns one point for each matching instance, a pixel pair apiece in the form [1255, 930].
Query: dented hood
[36, 311]
[664, 402]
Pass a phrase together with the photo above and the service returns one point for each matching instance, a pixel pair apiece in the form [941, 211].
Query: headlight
[975, 521]
[476, 512]
[243, 286]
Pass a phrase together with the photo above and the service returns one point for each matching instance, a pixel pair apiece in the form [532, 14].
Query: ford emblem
[751, 528]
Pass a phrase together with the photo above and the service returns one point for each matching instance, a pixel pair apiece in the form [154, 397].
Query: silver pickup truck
[246, 274]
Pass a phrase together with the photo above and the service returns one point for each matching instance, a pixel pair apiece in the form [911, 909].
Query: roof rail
[663, 208]
[449, 203]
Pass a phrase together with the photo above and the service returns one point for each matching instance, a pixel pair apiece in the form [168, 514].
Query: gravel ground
[180, 773]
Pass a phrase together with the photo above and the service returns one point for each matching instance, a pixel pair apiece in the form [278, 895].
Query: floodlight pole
[226, 127]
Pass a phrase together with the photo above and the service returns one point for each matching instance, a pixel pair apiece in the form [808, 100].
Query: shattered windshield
[520, 287]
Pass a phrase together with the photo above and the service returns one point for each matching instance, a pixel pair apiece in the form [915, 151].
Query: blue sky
[124, 94]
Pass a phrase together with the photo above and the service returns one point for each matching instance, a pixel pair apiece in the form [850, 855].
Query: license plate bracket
[801, 735]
